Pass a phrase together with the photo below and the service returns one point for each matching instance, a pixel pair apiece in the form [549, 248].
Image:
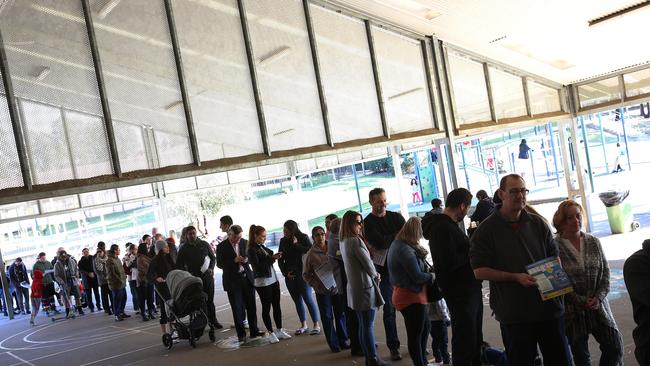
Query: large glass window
[637, 83]
[348, 81]
[508, 94]
[542, 98]
[218, 78]
[139, 69]
[470, 91]
[403, 81]
[286, 73]
[599, 92]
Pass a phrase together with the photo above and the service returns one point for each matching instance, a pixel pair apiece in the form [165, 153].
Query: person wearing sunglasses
[501, 248]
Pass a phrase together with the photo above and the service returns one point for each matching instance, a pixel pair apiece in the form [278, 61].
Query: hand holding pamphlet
[552, 280]
[326, 275]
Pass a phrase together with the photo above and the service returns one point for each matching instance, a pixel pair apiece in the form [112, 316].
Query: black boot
[80, 311]
[67, 312]
[151, 315]
[376, 361]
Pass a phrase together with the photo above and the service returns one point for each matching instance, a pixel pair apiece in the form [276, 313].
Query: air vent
[618, 13]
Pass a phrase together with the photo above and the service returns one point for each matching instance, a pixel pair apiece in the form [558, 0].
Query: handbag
[434, 294]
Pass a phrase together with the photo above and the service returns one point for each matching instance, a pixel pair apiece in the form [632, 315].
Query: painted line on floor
[20, 359]
[121, 354]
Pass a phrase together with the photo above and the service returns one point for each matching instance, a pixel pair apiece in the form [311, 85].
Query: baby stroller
[187, 300]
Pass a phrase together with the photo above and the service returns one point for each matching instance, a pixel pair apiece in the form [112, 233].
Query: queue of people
[357, 265]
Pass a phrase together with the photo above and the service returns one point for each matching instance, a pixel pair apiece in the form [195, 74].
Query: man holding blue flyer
[501, 249]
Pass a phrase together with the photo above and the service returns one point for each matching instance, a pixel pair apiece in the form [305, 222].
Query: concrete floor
[95, 339]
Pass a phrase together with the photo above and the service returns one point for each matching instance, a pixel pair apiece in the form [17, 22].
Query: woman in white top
[266, 282]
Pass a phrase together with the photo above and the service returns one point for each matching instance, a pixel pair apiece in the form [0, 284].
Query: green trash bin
[619, 213]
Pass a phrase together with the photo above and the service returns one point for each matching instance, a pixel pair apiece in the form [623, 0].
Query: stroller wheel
[167, 340]
[192, 342]
[211, 335]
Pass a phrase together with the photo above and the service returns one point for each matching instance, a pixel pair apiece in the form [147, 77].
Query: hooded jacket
[115, 275]
[60, 274]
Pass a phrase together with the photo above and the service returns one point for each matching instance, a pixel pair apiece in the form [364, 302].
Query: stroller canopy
[178, 280]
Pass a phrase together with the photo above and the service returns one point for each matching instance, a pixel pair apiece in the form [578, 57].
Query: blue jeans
[133, 287]
[367, 332]
[119, 301]
[390, 325]
[521, 342]
[333, 319]
[611, 347]
[300, 291]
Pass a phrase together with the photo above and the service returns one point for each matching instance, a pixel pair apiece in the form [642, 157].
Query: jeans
[333, 319]
[611, 347]
[300, 291]
[439, 341]
[144, 297]
[107, 298]
[367, 332]
[90, 286]
[270, 296]
[390, 325]
[119, 301]
[521, 342]
[466, 313]
[22, 297]
[417, 332]
[133, 287]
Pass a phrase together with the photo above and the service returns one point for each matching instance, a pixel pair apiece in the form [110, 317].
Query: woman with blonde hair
[363, 283]
[587, 308]
[408, 276]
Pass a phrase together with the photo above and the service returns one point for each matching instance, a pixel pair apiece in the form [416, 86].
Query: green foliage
[407, 164]
[193, 205]
[380, 165]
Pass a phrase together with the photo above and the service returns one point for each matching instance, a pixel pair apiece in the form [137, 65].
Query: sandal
[300, 331]
[315, 331]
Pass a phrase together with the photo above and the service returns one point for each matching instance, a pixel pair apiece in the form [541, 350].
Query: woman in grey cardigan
[587, 308]
[362, 288]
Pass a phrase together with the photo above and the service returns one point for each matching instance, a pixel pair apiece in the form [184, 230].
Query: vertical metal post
[181, 81]
[532, 166]
[554, 151]
[441, 168]
[480, 155]
[545, 156]
[9, 301]
[524, 83]
[580, 174]
[621, 87]
[627, 149]
[488, 86]
[398, 177]
[496, 166]
[418, 178]
[565, 159]
[19, 136]
[253, 72]
[430, 90]
[586, 143]
[356, 186]
[101, 88]
[375, 72]
[602, 141]
[462, 155]
[434, 179]
[319, 83]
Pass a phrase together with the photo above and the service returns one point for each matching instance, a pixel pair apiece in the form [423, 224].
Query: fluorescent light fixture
[274, 55]
[174, 105]
[41, 72]
[107, 8]
[407, 92]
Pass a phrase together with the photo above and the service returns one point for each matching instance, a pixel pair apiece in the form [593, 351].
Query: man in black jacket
[18, 277]
[191, 258]
[450, 252]
[238, 281]
[380, 228]
[637, 280]
[89, 280]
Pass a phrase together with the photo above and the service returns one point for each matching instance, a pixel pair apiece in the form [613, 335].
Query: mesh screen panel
[87, 136]
[10, 175]
[286, 73]
[218, 79]
[46, 143]
[599, 92]
[172, 149]
[131, 148]
[347, 76]
[140, 71]
[470, 91]
[508, 94]
[637, 83]
[403, 82]
[542, 98]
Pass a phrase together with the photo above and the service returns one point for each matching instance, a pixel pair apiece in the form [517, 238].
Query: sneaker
[300, 331]
[282, 334]
[273, 338]
[29, 312]
[395, 355]
[315, 331]
[125, 315]
[31, 322]
[246, 323]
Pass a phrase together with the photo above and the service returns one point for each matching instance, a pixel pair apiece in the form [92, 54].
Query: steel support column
[101, 88]
[375, 73]
[488, 86]
[524, 84]
[430, 88]
[586, 143]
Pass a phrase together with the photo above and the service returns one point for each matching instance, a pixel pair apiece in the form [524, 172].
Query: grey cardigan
[363, 291]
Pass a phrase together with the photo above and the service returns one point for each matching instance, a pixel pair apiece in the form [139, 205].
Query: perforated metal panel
[470, 91]
[637, 83]
[403, 82]
[140, 72]
[10, 175]
[346, 70]
[542, 98]
[508, 94]
[87, 136]
[219, 83]
[286, 73]
[131, 148]
[172, 149]
[47, 144]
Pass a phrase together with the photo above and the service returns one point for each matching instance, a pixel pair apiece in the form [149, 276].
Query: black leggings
[270, 295]
[417, 332]
[144, 296]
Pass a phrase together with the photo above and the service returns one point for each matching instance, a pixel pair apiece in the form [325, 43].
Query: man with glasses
[380, 228]
[501, 248]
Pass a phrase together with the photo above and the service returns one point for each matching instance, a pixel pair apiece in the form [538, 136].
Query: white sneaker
[246, 323]
[282, 334]
[273, 338]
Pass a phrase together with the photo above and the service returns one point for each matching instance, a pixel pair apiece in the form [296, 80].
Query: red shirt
[403, 297]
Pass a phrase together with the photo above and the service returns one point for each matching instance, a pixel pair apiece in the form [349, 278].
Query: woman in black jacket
[266, 282]
[293, 246]
[159, 268]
